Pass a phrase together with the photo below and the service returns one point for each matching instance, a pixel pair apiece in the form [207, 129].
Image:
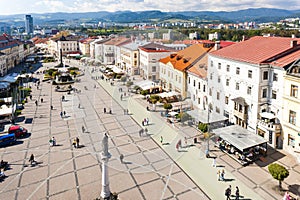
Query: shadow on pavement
[271, 157]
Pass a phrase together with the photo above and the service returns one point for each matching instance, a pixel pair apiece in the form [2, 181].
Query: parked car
[6, 140]
[19, 131]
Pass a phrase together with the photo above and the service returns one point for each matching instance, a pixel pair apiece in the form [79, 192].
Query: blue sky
[44, 6]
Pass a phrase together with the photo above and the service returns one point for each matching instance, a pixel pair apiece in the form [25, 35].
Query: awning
[202, 116]
[173, 113]
[239, 137]
[267, 115]
[240, 100]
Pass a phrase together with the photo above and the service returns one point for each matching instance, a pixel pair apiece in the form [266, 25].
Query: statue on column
[105, 145]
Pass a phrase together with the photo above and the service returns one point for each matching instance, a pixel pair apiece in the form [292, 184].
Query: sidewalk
[191, 160]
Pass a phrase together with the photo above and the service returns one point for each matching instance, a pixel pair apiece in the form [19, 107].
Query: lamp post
[208, 129]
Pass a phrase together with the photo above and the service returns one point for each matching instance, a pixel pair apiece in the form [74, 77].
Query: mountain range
[258, 15]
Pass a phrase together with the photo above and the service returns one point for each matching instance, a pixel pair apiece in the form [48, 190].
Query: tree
[168, 106]
[278, 172]
[123, 79]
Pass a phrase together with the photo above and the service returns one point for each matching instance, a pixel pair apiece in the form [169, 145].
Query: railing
[240, 115]
[270, 126]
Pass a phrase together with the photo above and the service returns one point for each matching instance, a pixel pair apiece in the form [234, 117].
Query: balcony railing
[240, 115]
[270, 126]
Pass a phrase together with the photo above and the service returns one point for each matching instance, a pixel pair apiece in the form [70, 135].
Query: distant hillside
[258, 15]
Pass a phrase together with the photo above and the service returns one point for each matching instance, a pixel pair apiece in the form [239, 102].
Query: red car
[19, 131]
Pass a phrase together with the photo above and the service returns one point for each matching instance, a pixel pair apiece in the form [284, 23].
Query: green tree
[202, 127]
[168, 106]
[278, 172]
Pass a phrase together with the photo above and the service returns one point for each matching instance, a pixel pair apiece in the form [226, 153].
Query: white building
[149, 55]
[130, 57]
[245, 83]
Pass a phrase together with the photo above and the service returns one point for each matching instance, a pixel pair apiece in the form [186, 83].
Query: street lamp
[208, 129]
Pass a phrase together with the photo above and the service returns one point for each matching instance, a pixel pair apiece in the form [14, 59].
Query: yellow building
[291, 110]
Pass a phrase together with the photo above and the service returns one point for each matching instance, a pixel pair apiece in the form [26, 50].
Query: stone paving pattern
[151, 170]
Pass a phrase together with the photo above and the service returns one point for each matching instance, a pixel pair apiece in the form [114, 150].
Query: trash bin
[195, 140]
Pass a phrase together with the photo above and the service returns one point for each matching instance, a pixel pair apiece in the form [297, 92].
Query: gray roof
[239, 137]
[135, 45]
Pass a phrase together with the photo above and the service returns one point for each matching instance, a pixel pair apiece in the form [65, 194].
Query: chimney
[217, 45]
[293, 36]
[293, 43]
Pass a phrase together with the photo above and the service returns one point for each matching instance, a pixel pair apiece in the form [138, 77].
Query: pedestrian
[77, 142]
[61, 114]
[36, 102]
[147, 121]
[42, 100]
[78, 105]
[219, 175]
[30, 97]
[63, 98]
[141, 132]
[51, 107]
[147, 108]
[185, 141]
[222, 175]
[64, 113]
[104, 110]
[228, 192]
[146, 131]
[237, 193]
[83, 129]
[74, 143]
[31, 159]
[214, 164]
[110, 111]
[53, 141]
[121, 158]
[121, 97]
[161, 139]
[143, 123]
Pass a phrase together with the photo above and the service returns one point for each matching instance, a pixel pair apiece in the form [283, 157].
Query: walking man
[83, 129]
[214, 162]
[121, 158]
[77, 142]
[161, 139]
[31, 159]
[228, 192]
[237, 193]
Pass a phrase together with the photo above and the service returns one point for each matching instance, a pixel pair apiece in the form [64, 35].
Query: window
[237, 86]
[249, 89]
[237, 71]
[227, 82]
[199, 101]
[265, 75]
[218, 95]
[168, 73]
[135, 55]
[217, 110]
[226, 100]
[294, 91]
[210, 91]
[275, 77]
[228, 68]
[153, 68]
[211, 76]
[249, 73]
[219, 65]
[264, 93]
[204, 89]
[194, 97]
[189, 80]
[211, 63]
[175, 77]
[179, 79]
[219, 79]
[292, 117]
[274, 94]
[199, 86]
[194, 84]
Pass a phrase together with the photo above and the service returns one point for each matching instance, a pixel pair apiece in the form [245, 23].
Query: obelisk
[105, 156]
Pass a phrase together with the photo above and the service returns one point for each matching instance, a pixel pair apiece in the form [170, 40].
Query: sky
[46, 6]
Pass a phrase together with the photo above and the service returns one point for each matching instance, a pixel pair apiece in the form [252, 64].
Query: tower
[28, 24]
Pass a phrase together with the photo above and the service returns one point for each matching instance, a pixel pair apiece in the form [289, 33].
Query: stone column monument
[105, 156]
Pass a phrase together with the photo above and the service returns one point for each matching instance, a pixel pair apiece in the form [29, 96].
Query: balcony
[240, 115]
[269, 126]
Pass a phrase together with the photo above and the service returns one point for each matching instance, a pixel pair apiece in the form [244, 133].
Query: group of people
[145, 121]
[221, 175]
[228, 193]
[63, 114]
[104, 110]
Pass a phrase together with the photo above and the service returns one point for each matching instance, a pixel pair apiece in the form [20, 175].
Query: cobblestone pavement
[65, 172]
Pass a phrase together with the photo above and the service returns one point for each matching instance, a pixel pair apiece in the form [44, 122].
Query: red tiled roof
[257, 49]
[187, 57]
[288, 59]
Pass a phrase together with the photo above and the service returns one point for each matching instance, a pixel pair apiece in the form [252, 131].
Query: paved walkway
[150, 170]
